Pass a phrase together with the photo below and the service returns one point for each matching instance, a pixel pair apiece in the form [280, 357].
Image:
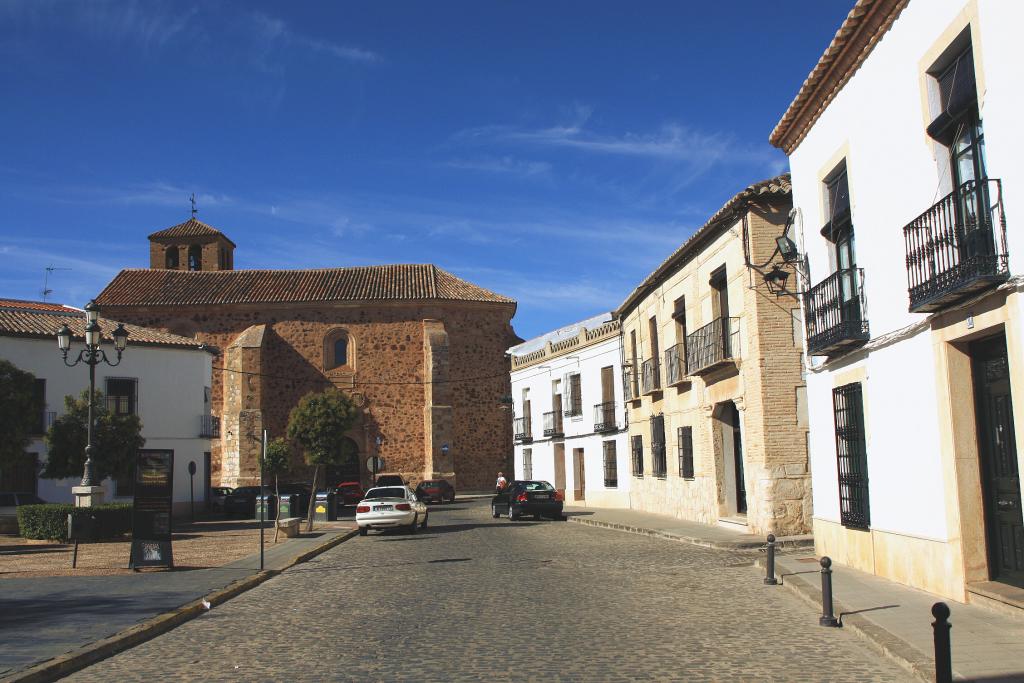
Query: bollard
[943, 658]
[769, 577]
[827, 617]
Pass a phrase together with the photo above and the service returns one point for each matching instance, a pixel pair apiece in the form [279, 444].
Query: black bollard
[769, 577]
[943, 657]
[827, 617]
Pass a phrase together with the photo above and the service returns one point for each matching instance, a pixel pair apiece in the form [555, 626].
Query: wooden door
[578, 474]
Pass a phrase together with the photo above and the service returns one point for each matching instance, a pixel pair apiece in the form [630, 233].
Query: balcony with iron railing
[606, 417]
[630, 389]
[521, 430]
[835, 313]
[209, 427]
[553, 423]
[651, 376]
[46, 420]
[675, 365]
[957, 247]
[713, 346]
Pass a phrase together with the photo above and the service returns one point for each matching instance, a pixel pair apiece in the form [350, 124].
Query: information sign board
[151, 511]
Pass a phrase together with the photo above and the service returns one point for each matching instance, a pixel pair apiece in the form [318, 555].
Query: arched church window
[195, 257]
[171, 258]
[338, 350]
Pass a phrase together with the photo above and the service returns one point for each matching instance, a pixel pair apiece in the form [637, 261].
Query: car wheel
[452, 499]
[512, 516]
[562, 518]
[494, 511]
[415, 523]
[363, 530]
[425, 518]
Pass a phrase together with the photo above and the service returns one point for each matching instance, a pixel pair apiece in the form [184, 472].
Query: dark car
[217, 496]
[242, 501]
[537, 498]
[389, 480]
[349, 492]
[435, 491]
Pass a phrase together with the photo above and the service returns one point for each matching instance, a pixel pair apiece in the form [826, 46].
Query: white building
[905, 144]
[162, 377]
[569, 425]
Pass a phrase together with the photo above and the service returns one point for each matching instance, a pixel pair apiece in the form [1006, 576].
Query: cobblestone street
[473, 598]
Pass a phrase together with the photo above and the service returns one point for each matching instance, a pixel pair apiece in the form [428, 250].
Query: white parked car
[387, 507]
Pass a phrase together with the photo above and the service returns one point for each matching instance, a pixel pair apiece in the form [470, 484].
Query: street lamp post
[92, 355]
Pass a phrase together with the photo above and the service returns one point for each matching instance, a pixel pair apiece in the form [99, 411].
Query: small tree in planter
[277, 460]
[115, 438]
[318, 424]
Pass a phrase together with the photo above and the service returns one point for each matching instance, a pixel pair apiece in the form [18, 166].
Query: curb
[58, 667]
[792, 542]
[881, 640]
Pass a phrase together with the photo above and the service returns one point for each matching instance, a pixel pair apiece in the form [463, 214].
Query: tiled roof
[193, 227]
[865, 25]
[775, 187]
[144, 287]
[19, 322]
[20, 304]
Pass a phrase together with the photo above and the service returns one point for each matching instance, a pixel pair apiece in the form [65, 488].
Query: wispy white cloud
[276, 31]
[503, 164]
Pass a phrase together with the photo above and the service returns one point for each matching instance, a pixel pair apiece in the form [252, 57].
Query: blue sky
[552, 151]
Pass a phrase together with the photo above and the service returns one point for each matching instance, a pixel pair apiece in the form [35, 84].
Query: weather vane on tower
[192, 197]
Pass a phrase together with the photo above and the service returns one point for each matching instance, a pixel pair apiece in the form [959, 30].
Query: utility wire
[362, 383]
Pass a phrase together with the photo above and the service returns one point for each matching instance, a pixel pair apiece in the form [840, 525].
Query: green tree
[115, 440]
[318, 424]
[276, 461]
[18, 411]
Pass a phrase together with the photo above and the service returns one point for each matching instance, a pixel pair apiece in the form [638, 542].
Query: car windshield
[534, 486]
[430, 484]
[394, 492]
[247, 490]
[349, 487]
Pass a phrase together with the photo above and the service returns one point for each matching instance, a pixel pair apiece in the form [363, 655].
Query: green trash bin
[268, 503]
[326, 507]
[290, 506]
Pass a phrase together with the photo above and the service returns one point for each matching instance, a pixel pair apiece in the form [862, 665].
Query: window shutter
[577, 395]
[567, 394]
[685, 445]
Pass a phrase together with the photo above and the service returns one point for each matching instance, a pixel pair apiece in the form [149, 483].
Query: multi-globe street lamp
[92, 355]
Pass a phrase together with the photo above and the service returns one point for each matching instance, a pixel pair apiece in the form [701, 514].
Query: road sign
[380, 463]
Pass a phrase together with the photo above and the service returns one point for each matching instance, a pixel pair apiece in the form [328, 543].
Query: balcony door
[1000, 474]
[579, 474]
[720, 306]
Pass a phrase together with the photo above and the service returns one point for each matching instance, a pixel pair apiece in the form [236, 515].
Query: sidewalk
[896, 620]
[42, 618]
[675, 529]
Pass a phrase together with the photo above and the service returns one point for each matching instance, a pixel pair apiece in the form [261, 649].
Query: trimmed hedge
[50, 521]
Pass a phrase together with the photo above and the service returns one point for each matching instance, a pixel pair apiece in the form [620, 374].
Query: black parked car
[217, 496]
[537, 498]
[242, 501]
[435, 490]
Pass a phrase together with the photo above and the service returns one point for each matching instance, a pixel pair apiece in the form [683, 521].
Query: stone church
[421, 351]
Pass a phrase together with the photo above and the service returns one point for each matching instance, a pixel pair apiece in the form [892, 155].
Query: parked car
[390, 507]
[217, 496]
[436, 490]
[537, 498]
[9, 503]
[242, 501]
[390, 480]
[349, 492]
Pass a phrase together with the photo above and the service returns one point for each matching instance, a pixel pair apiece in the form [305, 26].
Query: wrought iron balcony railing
[606, 417]
[209, 427]
[630, 390]
[521, 430]
[715, 344]
[957, 247]
[675, 364]
[553, 423]
[835, 313]
[651, 375]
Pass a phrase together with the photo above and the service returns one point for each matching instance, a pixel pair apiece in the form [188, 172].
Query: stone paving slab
[45, 617]
[675, 529]
[986, 644]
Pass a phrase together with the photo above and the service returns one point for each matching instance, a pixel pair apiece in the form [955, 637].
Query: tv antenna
[192, 198]
[46, 280]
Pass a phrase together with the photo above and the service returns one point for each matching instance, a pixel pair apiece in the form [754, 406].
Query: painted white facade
[877, 124]
[171, 386]
[542, 368]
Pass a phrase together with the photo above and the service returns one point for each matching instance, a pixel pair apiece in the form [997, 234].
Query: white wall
[170, 389]
[895, 173]
[578, 430]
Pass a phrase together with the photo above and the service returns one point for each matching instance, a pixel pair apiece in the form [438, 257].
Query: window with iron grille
[611, 467]
[659, 466]
[527, 463]
[851, 454]
[684, 443]
[122, 396]
[638, 456]
[575, 406]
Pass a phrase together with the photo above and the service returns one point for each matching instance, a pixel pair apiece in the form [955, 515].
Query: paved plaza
[474, 598]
